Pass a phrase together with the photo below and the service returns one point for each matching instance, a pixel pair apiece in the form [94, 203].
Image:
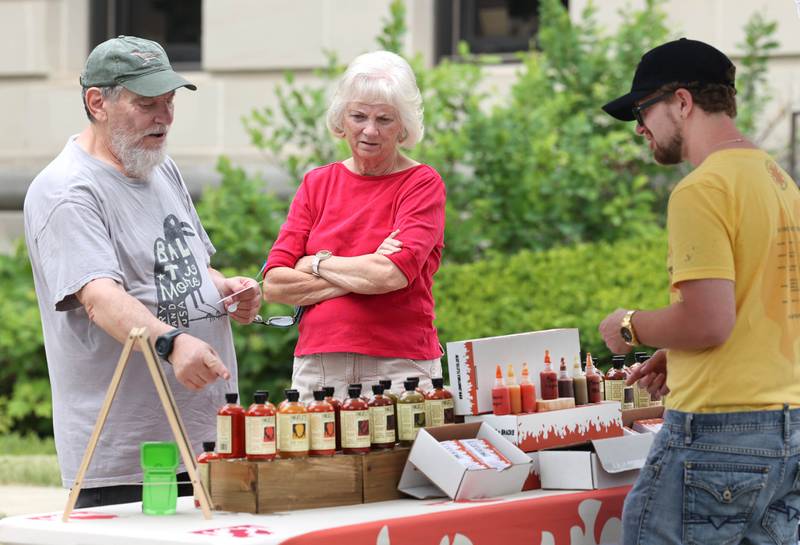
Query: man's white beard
[137, 162]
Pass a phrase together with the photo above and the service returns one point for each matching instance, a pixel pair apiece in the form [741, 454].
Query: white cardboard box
[472, 363]
[552, 429]
[611, 462]
[431, 472]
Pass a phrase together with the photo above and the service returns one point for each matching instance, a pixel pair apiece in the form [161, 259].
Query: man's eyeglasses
[281, 321]
[640, 108]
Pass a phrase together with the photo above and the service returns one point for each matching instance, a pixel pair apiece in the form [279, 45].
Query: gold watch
[626, 329]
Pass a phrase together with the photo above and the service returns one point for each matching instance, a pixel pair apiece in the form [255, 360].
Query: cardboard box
[537, 431]
[629, 416]
[609, 463]
[431, 472]
[306, 483]
[472, 363]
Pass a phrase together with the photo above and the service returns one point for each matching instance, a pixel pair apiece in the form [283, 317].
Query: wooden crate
[306, 483]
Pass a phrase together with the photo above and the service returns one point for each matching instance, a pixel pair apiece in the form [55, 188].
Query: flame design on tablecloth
[588, 511]
[563, 428]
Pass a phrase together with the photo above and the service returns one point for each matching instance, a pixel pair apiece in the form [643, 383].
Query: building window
[501, 27]
[175, 24]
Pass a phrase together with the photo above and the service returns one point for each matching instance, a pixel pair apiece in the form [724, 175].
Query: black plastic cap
[208, 446]
[353, 392]
[409, 385]
[354, 386]
[292, 395]
[319, 395]
[438, 382]
[415, 380]
[377, 389]
[618, 361]
[329, 391]
[387, 384]
[232, 398]
[260, 398]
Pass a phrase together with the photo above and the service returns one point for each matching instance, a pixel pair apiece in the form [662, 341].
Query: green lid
[159, 455]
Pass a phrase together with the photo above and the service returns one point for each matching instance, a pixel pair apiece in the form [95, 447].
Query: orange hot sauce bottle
[293, 432]
[322, 424]
[439, 404]
[382, 420]
[501, 398]
[230, 428]
[549, 379]
[594, 381]
[527, 391]
[337, 406]
[514, 392]
[259, 426]
[206, 456]
[355, 423]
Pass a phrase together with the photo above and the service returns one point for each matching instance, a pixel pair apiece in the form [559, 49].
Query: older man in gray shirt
[115, 243]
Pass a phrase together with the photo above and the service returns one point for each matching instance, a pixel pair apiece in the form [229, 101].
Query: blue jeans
[718, 479]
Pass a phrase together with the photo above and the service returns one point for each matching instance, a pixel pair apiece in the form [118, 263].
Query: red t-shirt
[350, 215]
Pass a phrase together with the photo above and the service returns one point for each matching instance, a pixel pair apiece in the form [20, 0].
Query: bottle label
[410, 420]
[323, 431]
[615, 390]
[382, 424]
[642, 396]
[435, 411]
[355, 429]
[259, 434]
[224, 435]
[449, 411]
[293, 432]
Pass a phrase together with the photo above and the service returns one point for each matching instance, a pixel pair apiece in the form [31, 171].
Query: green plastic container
[160, 486]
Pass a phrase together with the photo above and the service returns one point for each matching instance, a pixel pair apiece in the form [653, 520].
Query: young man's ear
[686, 101]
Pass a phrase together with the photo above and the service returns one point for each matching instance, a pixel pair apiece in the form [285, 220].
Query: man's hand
[652, 374]
[390, 245]
[244, 306]
[196, 363]
[609, 329]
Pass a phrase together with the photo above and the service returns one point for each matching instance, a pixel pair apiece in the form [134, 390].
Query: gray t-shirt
[85, 220]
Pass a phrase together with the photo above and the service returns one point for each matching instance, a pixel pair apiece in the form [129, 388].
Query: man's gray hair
[380, 77]
[110, 93]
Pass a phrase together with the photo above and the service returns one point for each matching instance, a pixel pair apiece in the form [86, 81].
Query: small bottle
[615, 380]
[230, 428]
[627, 398]
[206, 456]
[259, 427]
[322, 426]
[641, 397]
[355, 423]
[410, 414]
[417, 387]
[593, 381]
[293, 440]
[381, 420]
[548, 379]
[337, 406]
[580, 384]
[566, 387]
[527, 391]
[501, 398]
[387, 391]
[514, 393]
[439, 405]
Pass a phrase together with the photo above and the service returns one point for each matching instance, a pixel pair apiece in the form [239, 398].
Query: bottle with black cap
[641, 397]
[381, 419]
[439, 404]
[206, 456]
[293, 435]
[259, 427]
[337, 407]
[410, 414]
[615, 380]
[230, 428]
[355, 423]
[322, 423]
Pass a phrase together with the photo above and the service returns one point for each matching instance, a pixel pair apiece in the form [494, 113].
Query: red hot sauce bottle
[337, 406]
[382, 421]
[355, 423]
[322, 422]
[260, 428]
[549, 379]
[230, 428]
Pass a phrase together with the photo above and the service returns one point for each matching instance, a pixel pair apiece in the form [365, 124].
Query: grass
[14, 443]
[28, 460]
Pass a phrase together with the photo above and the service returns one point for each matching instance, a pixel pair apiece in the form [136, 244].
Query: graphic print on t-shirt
[177, 274]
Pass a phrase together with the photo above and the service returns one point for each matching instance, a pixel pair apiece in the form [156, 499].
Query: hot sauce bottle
[593, 381]
[579, 382]
[527, 391]
[549, 379]
[501, 398]
[615, 380]
[230, 428]
[206, 456]
[410, 414]
[381, 420]
[337, 406]
[259, 426]
[566, 388]
[641, 397]
[439, 404]
[355, 423]
[293, 440]
[387, 391]
[322, 422]
[514, 393]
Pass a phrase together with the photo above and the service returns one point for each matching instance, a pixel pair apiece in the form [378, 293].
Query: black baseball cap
[682, 61]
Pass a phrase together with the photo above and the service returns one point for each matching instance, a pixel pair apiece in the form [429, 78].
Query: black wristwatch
[165, 342]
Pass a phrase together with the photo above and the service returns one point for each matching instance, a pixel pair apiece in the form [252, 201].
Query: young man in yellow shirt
[724, 468]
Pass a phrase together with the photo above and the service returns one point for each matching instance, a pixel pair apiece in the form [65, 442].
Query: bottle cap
[438, 382]
[208, 446]
[353, 392]
[547, 356]
[642, 357]
[377, 389]
[415, 380]
[292, 395]
[329, 390]
[618, 361]
[232, 397]
[409, 385]
[266, 394]
[357, 386]
[387, 384]
[260, 398]
[319, 395]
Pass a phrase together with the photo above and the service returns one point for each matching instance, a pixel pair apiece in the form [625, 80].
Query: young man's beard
[137, 161]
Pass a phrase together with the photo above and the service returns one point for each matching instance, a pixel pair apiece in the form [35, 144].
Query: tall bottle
[381, 419]
[615, 380]
[322, 426]
[580, 384]
[514, 392]
[410, 414]
[337, 406]
[548, 379]
[293, 440]
[259, 426]
[206, 456]
[594, 381]
[230, 428]
[527, 391]
[566, 387]
[439, 404]
[355, 423]
[641, 397]
[501, 397]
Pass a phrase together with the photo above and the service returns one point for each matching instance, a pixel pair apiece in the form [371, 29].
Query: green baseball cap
[139, 65]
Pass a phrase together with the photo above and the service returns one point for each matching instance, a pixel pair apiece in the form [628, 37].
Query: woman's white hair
[380, 77]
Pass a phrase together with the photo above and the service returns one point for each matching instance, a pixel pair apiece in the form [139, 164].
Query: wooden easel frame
[140, 336]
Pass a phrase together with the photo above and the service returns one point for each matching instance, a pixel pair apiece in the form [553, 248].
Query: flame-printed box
[472, 363]
[537, 431]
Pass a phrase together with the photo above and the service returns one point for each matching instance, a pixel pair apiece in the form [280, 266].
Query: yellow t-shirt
[737, 217]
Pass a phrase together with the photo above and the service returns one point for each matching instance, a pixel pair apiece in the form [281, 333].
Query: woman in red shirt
[363, 240]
